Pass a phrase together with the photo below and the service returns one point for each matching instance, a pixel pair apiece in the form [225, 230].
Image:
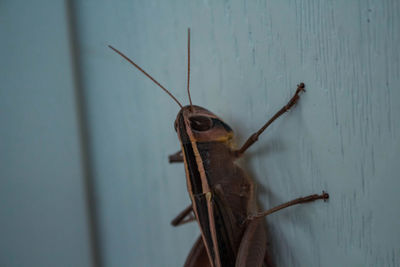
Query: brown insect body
[223, 199]
[221, 193]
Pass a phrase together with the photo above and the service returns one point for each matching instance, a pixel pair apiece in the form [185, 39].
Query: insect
[222, 195]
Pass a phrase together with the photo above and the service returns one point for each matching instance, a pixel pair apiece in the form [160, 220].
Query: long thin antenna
[188, 78]
[145, 73]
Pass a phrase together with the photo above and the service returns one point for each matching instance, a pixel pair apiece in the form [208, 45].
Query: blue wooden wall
[85, 137]
[44, 216]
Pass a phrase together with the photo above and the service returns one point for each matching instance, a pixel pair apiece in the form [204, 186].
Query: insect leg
[176, 157]
[184, 216]
[296, 201]
[253, 245]
[254, 137]
[198, 256]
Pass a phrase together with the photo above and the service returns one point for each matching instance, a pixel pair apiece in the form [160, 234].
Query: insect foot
[325, 196]
[296, 97]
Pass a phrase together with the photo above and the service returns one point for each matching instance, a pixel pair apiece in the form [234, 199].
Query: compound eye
[176, 126]
[200, 123]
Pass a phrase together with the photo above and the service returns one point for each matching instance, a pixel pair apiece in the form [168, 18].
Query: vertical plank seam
[83, 127]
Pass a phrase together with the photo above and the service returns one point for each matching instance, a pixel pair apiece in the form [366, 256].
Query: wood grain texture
[247, 57]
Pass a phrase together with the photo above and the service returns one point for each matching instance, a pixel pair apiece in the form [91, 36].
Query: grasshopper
[222, 195]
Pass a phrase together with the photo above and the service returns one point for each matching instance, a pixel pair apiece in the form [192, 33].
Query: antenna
[188, 74]
[145, 73]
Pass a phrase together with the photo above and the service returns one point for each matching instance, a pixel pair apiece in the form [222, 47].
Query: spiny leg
[184, 216]
[254, 137]
[296, 201]
[176, 157]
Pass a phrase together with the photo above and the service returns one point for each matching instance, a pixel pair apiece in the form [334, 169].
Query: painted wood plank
[43, 209]
[247, 57]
